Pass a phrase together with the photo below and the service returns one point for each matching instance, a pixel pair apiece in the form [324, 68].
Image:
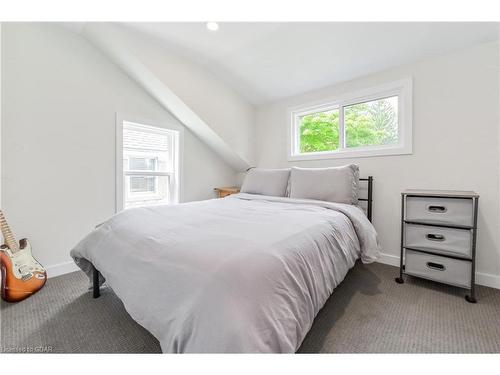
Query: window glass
[149, 168]
[146, 190]
[142, 184]
[142, 164]
[373, 123]
[319, 131]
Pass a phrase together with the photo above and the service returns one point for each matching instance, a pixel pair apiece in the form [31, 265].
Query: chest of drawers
[438, 237]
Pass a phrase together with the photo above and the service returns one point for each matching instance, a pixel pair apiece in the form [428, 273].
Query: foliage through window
[353, 127]
[319, 131]
[372, 123]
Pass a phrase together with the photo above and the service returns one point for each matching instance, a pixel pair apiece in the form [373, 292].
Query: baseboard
[486, 279]
[61, 269]
[389, 259]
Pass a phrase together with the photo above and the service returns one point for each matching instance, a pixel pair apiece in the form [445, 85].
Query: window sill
[349, 154]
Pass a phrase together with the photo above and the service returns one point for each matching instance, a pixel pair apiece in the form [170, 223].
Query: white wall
[59, 98]
[455, 143]
[1, 236]
[223, 109]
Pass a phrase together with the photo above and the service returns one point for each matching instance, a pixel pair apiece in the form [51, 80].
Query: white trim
[392, 260]
[61, 269]
[401, 88]
[178, 145]
[485, 279]
[119, 163]
[148, 173]
[351, 153]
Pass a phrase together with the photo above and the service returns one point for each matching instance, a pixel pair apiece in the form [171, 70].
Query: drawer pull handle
[436, 209]
[435, 237]
[436, 266]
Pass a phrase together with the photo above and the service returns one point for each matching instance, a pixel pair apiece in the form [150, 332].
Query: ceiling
[269, 61]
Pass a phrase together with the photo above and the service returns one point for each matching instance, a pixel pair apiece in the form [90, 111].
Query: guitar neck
[9, 238]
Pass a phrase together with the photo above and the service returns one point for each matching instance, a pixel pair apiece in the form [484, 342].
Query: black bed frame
[369, 198]
[369, 210]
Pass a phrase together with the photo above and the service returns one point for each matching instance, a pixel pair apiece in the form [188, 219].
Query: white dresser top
[441, 193]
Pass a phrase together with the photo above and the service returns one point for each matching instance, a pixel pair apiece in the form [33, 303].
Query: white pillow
[338, 184]
[266, 182]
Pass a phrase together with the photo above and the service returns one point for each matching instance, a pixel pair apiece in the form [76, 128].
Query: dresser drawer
[446, 240]
[438, 268]
[451, 211]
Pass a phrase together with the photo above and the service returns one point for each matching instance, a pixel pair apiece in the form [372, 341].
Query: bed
[244, 274]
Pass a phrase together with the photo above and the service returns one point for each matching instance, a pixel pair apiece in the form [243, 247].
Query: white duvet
[246, 273]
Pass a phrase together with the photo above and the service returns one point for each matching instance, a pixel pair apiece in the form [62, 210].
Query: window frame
[137, 196]
[401, 88]
[176, 143]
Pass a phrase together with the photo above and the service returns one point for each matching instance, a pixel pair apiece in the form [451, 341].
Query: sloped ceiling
[225, 73]
[111, 40]
[269, 61]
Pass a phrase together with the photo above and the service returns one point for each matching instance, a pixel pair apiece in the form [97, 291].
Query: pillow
[266, 182]
[338, 184]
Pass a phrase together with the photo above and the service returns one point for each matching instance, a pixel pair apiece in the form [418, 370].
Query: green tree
[371, 123]
[319, 132]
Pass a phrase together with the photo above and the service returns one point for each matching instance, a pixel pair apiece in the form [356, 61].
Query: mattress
[243, 274]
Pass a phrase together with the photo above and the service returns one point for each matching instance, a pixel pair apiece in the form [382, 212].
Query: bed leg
[95, 282]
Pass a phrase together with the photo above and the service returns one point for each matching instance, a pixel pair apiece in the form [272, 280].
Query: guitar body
[22, 275]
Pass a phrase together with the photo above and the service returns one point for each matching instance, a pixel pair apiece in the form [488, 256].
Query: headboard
[369, 198]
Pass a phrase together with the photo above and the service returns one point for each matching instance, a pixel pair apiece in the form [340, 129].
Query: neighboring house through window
[377, 121]
[149, 172]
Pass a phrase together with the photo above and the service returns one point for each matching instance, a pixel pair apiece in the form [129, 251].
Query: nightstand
[438, 237]
[225, 191]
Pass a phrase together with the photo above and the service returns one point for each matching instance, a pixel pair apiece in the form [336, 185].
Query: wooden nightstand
[225, 191]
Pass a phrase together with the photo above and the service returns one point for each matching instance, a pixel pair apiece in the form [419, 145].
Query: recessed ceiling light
[212, 26]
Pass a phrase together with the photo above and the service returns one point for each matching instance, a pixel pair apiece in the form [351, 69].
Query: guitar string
[7, 233]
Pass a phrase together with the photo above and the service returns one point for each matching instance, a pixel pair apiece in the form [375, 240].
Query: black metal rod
[95, 282]
[400, 279]
[401, 256]
[472, 297]
[370, 198]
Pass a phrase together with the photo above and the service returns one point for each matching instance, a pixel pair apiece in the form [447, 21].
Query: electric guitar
[22, 275]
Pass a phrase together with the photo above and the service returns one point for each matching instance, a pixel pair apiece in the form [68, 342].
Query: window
[374, 122]
[142, 164]
[148, 165]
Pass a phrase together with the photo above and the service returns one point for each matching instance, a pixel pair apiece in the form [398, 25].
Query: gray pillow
[266, 182]
[337, 184]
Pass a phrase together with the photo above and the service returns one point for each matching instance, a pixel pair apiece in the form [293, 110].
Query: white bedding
[246, 273]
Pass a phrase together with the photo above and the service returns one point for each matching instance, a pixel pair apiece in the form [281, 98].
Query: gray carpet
[367, 313]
